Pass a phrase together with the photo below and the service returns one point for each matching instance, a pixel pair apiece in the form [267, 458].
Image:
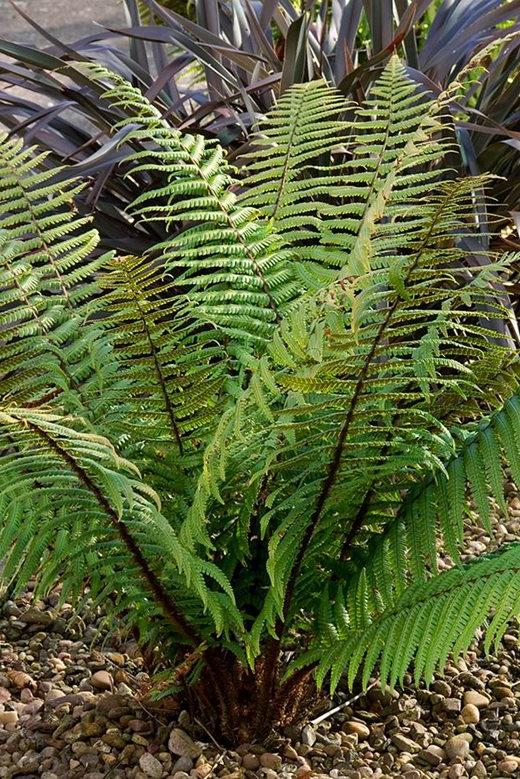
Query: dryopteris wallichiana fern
[261, 435]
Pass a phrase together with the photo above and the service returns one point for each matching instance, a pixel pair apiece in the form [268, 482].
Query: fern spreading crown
[271, 420]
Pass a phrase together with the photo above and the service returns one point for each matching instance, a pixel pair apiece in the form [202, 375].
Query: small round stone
[270, 760]
[150, 766]
[250, 762]
[359, 728]
[478, 699]
[183, 764]
[509, 766]
[457, 746]
[102, 680]
[456, 771]
[470, 714]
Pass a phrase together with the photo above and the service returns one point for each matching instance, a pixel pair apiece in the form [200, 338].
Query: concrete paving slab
[67, 20]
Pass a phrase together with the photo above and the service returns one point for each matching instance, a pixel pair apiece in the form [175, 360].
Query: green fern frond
[48, 290]
[237, 270]
[116, 512]
[437, 510]
[430, 621]
[326, 182]
[288, 179]
[173, 382]
[397, 133]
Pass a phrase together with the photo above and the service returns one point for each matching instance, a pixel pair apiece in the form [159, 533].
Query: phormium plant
[252, 443]
[216, 67]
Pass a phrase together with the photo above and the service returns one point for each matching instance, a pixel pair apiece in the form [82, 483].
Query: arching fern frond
[48, 290]
[41, 213]
[430, 621]
[433, 514]
[120, 522]
[173, 380]
[237, 269]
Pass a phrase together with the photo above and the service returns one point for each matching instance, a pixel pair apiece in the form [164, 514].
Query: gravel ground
[70, 707]
[68, 20]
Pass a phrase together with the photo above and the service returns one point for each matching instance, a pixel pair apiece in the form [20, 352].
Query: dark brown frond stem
[44, 400]
[268, 678]
[334, 465]
[356, 525]
[156, 362]
[174, 617]
[290, 692]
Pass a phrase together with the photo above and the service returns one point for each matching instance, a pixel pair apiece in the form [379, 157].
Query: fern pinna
[271, 424]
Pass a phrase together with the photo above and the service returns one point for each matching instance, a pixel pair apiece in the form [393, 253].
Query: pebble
[404, 744]
[308, 735]
[183, 763]
[102, 680]
[270, 760]
[470, 714]
[290, 753]
[441, 687]
[359, 728]
[202, 771]
[151, 766]
[456, 771]
[20, 679]
[475, 698]
[250, 762]
[509, 765]
[180, 743]
[457, 746]
[33, 616]
[432, 755]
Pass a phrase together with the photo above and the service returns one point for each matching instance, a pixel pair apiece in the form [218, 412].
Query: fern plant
[252, 444]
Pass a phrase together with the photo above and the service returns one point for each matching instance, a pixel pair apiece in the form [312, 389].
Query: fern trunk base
[239, 706]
